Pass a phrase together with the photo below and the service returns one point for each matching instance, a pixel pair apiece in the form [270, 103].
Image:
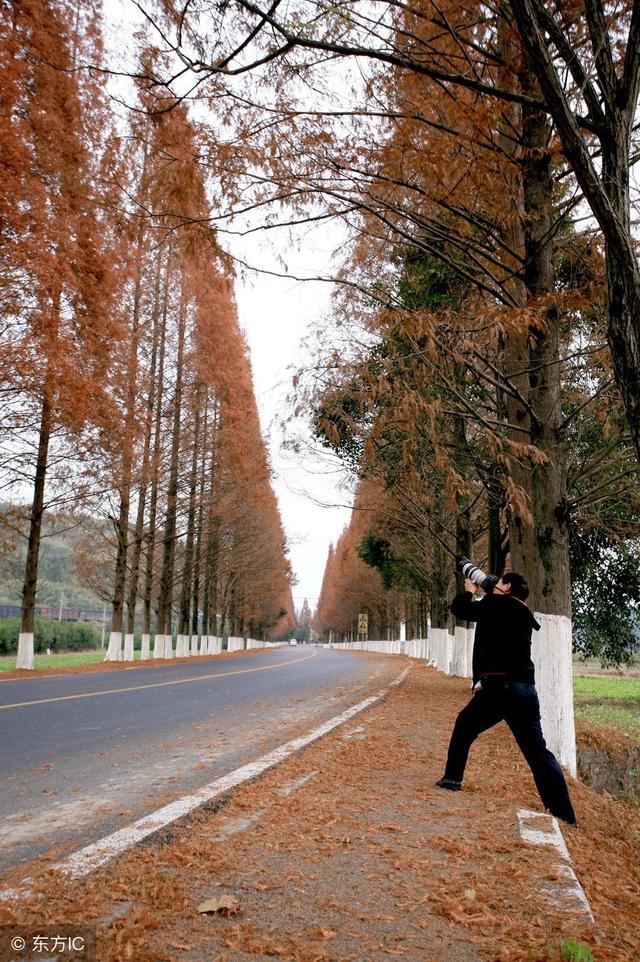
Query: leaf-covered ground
[366, 860]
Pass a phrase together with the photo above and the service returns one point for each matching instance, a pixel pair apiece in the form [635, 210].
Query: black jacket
[503, 634]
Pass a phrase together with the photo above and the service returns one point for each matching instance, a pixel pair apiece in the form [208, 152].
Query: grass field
[66, 659]
[609, 701]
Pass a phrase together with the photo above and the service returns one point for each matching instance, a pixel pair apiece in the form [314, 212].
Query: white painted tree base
[182, 646]
[194, 644]
[114, 650]
[25, 654]
[145, 648]
[158, 646]
[430, 648]
[551, 652]
[459, 652]
[168, 646]
[204, 644]
[128, 647]
[469, 663]
[441, 649]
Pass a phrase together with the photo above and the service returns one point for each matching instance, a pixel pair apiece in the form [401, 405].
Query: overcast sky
[276, 314]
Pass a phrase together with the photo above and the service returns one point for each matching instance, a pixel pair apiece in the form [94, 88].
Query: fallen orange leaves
[406, 876]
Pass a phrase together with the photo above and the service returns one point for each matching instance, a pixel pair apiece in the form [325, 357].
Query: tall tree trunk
[121, 523]
[623, 276]
[27, 624]
[460, 654]
[165, 604]
[187, 568]
[551, 582]
[210, 574]
[538, 535]
[608, 193]
[138, 535]
[197, 565]
[461, 650]
[114, 652]
[150, 539]
[496, 549]
[440, 653]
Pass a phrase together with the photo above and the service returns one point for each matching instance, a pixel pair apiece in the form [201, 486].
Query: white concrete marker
[548, 833]
[93, 856]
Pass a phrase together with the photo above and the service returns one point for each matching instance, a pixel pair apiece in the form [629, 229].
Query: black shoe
[449, 784]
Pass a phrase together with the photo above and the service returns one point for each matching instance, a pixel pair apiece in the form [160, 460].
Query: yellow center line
[158, 684]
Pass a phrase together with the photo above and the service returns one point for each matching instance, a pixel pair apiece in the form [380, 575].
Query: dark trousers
[517, 704]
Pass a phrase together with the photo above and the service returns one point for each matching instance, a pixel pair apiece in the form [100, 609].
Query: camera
[475, 574]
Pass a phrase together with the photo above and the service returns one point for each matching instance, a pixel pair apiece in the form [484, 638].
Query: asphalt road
[82, 755]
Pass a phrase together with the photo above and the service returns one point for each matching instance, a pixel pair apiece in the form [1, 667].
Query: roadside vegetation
[610, 701]
[66, 659]
[63, 636]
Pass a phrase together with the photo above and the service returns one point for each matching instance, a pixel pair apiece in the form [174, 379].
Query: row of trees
[490, 398]
[125, 384]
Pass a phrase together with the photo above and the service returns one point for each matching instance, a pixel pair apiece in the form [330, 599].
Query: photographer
[503, 667]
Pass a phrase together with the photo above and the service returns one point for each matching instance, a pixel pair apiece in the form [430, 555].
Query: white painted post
[145, 648]
[158, 646]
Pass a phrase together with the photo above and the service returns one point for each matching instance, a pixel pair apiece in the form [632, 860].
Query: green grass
[610, 716]
[609, 702]
[63, 660]
[606, 687]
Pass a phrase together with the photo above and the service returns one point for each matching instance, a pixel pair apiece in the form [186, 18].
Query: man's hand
[470, 585]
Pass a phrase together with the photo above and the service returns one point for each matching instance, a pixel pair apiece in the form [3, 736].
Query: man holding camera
[502, 665]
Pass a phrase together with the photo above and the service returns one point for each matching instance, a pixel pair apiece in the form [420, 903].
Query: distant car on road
[292, 641]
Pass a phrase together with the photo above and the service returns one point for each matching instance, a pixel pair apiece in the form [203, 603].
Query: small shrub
[571, 951]
[56, 635]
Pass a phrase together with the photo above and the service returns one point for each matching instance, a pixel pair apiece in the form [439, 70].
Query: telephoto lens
[475, 574]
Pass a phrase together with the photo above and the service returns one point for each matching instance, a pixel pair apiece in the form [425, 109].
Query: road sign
[363, 623]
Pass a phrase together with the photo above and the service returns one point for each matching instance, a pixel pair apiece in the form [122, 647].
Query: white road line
[93, 856]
